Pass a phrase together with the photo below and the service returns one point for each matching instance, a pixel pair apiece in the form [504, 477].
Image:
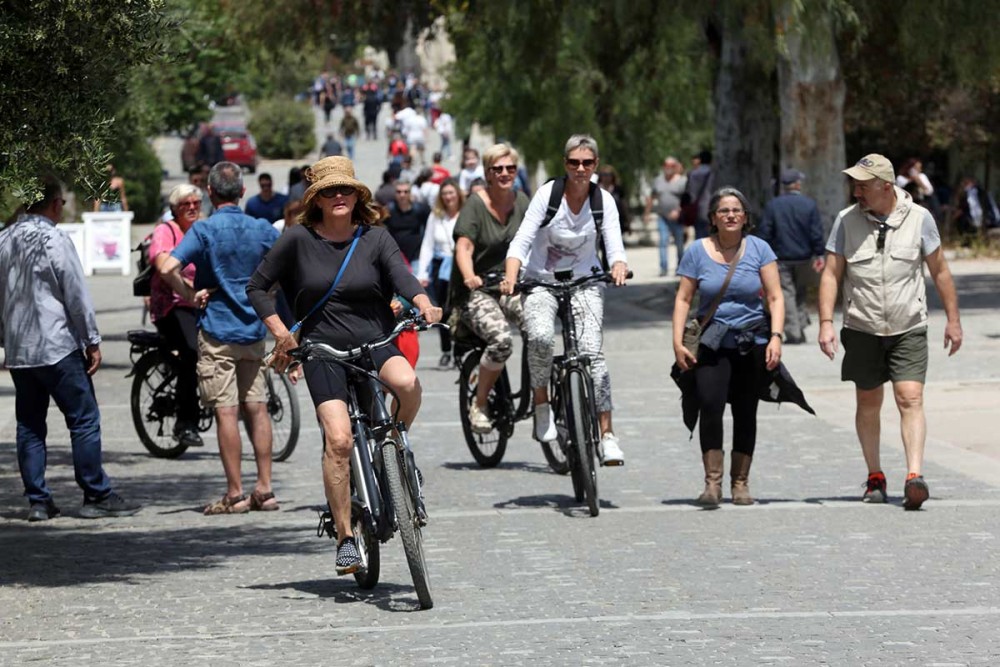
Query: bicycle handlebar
[526, 285]
[309, 349]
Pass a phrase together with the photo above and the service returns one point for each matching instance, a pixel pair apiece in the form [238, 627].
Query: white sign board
[107, 242]
[75, 231]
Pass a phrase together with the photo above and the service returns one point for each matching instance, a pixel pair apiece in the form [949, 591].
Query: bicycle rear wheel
[153, 403]
[555, 452]
[584, 434]
[486, 448]
[404, 506]
[283, 409]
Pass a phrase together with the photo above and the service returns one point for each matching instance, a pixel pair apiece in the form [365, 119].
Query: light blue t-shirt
[742, 307]
[226, 249]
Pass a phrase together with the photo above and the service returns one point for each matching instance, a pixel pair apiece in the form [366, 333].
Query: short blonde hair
[497, 151]
[182, 192]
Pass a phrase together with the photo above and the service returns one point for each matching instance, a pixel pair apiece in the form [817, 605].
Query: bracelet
[830, 321]
[776, 333]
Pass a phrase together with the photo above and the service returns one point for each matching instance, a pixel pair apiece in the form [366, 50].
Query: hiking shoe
[875, 489]
[188, 436]
[545, 424]
[478, 420]
[915, 492]
[111, 505]
[43, 511]
[348, 556]
[611, 454]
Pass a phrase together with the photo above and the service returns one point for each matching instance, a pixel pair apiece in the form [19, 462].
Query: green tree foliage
[634, 73]
[66, 68]
[284, 129]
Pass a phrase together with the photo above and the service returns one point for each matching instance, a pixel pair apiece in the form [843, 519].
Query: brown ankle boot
[739, 473]
[715, 464]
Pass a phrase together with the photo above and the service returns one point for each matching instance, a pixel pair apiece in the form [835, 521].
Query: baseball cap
[872, 166]
[789, 176]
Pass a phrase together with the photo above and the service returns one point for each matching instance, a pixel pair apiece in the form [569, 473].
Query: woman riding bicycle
[305, 261]
[175, 318]
[568, 242]
[485, 227]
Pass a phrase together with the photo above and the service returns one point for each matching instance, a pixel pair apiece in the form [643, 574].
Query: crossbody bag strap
[329, 292]
[725, 285]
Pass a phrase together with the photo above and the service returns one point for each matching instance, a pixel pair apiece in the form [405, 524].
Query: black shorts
[327, 380]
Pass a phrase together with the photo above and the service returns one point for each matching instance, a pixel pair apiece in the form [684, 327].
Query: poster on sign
[107, 242]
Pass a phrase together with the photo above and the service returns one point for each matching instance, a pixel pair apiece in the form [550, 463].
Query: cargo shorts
[230, 373]
[870, 361]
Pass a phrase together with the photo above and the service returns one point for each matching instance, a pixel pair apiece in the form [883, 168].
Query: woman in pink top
[175, 318]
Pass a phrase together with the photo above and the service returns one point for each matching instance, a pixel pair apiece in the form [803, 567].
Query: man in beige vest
[878, 247]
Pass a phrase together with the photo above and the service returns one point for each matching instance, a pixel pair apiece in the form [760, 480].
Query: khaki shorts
[870, 361]
[229, 373]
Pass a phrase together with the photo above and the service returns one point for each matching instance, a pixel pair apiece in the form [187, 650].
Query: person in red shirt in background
[440, 173]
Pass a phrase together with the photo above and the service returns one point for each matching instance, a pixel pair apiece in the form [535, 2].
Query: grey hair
[581, 141]
[713, 206]
[182, 192]
[226, 181]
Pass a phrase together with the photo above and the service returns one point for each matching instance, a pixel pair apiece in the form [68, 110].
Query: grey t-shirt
[667, 194]
[930, 238]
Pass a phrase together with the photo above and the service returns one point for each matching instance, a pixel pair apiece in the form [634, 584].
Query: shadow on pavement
[344, 590]
[525, 466]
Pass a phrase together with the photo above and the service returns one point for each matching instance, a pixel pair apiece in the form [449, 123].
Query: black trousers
[180, 329]
[439, 295]
[723, 376]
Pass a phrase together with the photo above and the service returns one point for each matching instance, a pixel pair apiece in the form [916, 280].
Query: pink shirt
[162, 298]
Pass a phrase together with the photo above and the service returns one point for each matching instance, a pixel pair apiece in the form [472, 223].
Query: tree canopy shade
[66, 66]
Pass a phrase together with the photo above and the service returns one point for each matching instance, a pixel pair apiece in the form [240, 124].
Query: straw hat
[331, 171]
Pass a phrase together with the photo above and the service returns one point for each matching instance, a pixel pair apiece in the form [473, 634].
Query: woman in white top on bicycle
[568, 242]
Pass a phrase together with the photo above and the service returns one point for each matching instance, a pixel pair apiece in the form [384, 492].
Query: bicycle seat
[145, 338]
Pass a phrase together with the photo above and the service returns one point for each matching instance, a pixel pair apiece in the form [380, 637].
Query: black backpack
[596, 209]
[142, 284]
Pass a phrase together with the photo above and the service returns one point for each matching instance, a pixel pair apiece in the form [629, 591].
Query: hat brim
[859, 174]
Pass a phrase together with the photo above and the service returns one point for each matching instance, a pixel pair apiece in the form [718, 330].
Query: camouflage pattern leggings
[487, 316]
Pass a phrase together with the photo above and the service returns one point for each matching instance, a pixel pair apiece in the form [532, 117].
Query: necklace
[732, 247]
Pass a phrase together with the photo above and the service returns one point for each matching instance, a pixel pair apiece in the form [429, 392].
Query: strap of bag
[725, 285]
[329, 292]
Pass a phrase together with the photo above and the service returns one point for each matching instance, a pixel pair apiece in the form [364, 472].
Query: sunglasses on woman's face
[334, 190]
[500, 168]
[573, 163]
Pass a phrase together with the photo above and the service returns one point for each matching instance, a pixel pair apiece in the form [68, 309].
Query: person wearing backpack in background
[560, 233]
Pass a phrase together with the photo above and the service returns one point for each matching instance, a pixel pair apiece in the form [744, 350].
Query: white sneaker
[611, 453]
[545, 424]
[478, 420]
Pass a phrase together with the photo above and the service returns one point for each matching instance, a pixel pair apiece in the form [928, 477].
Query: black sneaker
[43, 511]
[445, 361]
[875, 489]
[188, 436]
[112, 505]
[348, 557]
[915, 492]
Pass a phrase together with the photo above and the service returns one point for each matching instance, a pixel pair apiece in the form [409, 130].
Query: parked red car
[238, 146]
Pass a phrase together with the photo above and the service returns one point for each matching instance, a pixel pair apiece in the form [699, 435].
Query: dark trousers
[725, 376]
[180, 329]
[69, 385]
[371, 127]
[439, 295]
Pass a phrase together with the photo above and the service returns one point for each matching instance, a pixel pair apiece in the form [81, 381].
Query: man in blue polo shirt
[226, 249]
[269, 204]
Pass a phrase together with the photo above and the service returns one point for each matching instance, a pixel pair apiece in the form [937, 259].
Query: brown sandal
[227, 505]
[263, 502]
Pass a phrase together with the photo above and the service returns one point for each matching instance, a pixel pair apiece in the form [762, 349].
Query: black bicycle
[572, 398]
[385, 482]
[154, 401]
[505, 406]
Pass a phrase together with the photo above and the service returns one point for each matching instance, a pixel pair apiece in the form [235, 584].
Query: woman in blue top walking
[739, 342]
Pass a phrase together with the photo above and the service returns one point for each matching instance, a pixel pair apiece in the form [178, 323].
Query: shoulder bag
[694, 326]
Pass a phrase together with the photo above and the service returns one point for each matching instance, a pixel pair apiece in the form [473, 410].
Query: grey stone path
[521, 575]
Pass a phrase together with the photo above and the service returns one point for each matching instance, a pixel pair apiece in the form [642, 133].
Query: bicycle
[386, 492]
[572, 397]
[154, 401]
[505, 406]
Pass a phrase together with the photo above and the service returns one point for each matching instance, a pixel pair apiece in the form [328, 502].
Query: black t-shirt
[305, 264]
[408, 228]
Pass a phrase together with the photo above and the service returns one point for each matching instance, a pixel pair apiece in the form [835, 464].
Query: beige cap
[872, 166]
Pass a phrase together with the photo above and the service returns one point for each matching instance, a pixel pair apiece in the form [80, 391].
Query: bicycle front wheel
[283, 409]
[555, 452]
[368, 545]
[486, 448]
[584, 435]
[404, 506]
[153, 404]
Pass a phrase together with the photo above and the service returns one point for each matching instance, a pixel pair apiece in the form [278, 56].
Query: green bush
[283, 128]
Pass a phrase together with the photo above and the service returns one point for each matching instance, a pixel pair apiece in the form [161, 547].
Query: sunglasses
[727, 211]
[882, 230]
[334, 190]
[189, 204]
[573, 163]
[501, 168]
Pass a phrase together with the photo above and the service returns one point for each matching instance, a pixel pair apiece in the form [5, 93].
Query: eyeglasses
[729, 211]
[189, 204]
[883, 228]
[573, 163]
[61, 201]
[501, 168]
[406, 191]
[334, 190]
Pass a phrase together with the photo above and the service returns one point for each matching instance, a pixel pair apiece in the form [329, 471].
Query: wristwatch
[778, 334]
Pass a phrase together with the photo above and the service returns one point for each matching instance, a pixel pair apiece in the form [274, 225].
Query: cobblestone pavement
[521, 574]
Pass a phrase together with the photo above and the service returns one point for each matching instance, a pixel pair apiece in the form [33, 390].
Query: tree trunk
[811, 92]
[746, 119]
